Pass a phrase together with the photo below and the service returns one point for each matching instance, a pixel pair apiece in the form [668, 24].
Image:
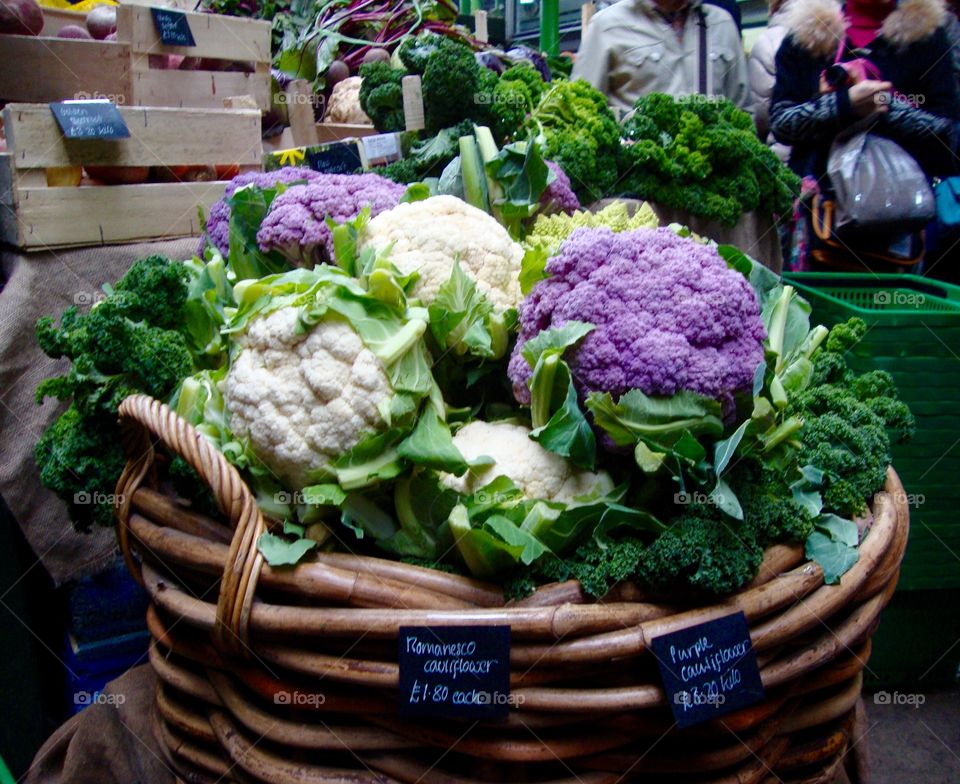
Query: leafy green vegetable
[279, 552]
[702, 157]
[140, 338]
[833, 545]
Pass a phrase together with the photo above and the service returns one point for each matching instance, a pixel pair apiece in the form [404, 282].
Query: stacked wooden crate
[175, 117]
[36, 216]
[45, 68]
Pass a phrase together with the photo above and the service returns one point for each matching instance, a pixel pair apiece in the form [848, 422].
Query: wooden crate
[42, 69]
[35, 216]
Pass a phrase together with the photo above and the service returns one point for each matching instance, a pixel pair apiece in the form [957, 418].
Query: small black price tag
[459, 672]
[709, 670]
[90, 120]
[172, 27]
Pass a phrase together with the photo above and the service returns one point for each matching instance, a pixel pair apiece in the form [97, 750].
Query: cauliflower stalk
[516, 504]
[328, 391]
[457, 261]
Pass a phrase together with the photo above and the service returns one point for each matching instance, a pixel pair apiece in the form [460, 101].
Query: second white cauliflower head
[539, 474]
[304, 399]
[430, 236]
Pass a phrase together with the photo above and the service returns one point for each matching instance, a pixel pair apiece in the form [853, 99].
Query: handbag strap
[702, 23]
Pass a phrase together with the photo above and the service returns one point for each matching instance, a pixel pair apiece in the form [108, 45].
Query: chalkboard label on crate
[90, 120]
[172, 27]
[709, 670]
[459, 672]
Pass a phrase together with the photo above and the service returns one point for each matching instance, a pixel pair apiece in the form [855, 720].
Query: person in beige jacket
[637, 47]
[762, 68]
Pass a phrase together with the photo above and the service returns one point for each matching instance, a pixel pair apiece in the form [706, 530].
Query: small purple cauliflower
[559, 195]
[218, 221]
[669, 316]
[296, 224]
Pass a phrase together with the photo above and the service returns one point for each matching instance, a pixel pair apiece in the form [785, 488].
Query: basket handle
[144, 422]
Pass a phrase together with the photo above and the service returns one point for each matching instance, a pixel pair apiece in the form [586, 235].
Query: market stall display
[652, 452]
[60, 192]
[514, 372]
[136, 68]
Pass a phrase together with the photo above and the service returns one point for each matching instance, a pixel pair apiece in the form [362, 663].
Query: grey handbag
[878, 186]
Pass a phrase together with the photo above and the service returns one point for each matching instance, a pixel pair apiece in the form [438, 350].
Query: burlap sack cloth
[38, 284]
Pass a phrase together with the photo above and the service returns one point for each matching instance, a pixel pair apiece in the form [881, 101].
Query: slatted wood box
[45, 68]
[34, 216]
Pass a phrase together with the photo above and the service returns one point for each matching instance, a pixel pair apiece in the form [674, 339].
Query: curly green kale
[702, 157]
[381, 96]
[453, 87]
[581, 136]
[127, 343]
[848, 422]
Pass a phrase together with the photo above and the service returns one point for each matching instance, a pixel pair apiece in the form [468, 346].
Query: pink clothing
[865, 18]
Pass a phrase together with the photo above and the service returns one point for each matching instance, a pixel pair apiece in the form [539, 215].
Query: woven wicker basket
[231, 635]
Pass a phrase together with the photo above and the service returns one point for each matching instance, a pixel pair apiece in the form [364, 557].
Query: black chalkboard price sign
[708, 670]
[458, 672]
[172, 27]
[90, 120]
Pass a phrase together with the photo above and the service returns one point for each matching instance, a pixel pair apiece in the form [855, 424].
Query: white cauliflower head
[304, 399]
[539, 474]
[429, 236]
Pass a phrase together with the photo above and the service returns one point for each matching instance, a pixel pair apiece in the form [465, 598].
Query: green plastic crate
[914, 333]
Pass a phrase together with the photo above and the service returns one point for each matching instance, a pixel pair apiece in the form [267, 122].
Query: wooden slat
[91, 215]
[197, 89]
[338, 132]
[158, 137]
[56, 69]
[299, 101]
[220, 37]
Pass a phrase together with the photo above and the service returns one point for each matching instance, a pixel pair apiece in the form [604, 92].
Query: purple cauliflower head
[669, 316]
[296, 224]
[218, 221]
[559, 195]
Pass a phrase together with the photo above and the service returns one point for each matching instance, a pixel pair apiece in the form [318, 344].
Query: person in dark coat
[906, 88]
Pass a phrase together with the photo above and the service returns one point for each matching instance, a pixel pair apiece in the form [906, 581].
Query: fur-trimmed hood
[819, 25]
